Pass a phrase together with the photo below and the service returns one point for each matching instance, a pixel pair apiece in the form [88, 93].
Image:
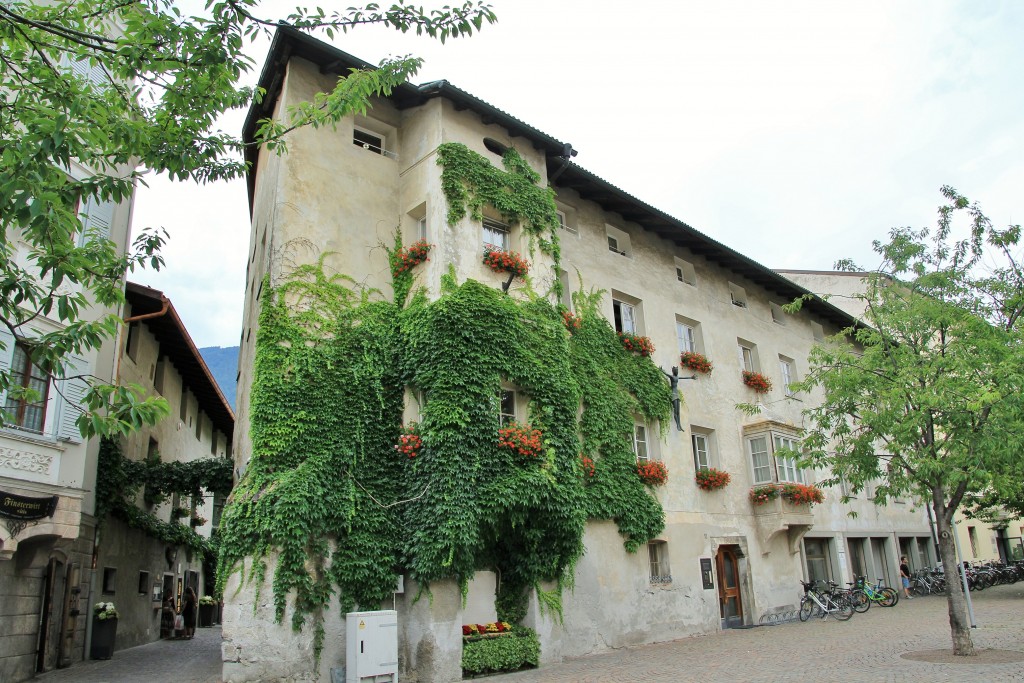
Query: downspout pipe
[154, 314]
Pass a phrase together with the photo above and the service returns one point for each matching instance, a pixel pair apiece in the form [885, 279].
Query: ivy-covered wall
[345, 512]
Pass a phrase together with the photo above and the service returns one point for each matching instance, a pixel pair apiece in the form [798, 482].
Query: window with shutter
[73, 392]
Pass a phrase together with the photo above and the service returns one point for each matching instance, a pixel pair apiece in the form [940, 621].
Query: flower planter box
[104, 633]
[206, 614]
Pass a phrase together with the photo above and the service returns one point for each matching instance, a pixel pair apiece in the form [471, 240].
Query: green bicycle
[863, 594]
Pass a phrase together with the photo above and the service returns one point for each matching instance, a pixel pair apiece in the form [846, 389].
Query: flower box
[521, 439]
[652, 472]
[410, 443]
[757, 382]
[711, 479]
[406, 259]
[765, 493]
[634, 343]
[506, 262]
[802, 494]
[510, 650]
[572, 322]
[697, 362]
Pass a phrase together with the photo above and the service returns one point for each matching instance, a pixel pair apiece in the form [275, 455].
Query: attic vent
[495, 147]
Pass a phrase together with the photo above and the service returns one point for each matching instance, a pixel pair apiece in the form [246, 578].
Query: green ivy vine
[345, 513]
[119, 480]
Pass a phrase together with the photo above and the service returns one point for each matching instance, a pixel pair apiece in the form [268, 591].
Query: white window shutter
[96, 216]
[73, 390]
[6, 354]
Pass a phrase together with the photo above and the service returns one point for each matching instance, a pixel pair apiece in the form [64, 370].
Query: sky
[793, 132]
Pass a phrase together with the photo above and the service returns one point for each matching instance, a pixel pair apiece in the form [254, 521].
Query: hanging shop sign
[13, 506]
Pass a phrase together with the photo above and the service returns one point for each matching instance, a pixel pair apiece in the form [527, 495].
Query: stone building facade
[134, 570]
[721, 561]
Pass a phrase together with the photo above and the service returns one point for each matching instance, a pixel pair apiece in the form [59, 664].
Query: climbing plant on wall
[119, 479]
[343, 510]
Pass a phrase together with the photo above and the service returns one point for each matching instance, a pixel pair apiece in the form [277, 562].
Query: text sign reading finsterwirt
[22, 507]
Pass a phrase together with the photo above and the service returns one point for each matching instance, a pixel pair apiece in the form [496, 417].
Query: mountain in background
[223, 364]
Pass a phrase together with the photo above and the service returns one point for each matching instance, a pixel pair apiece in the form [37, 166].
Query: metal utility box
[371, 651]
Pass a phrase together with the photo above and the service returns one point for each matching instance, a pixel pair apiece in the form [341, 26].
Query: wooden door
[729, 599]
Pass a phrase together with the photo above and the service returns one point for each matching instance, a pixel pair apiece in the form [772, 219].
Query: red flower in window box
[711, 479]
[802, 494]
[521, 439]
[759, 495]
[697, 362]
[572, 322]
[409, 441]
[506, 262]
[588, 467]
[652, 472]
[405, 260]
[757, 382]
[634, 343]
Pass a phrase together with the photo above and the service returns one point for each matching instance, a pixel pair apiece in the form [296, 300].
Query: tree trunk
[959, 627]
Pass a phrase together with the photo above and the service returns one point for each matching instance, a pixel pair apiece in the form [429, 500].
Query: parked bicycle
[864, 594]
[823, 603]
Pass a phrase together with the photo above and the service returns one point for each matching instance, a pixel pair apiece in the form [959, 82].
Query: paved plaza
[866, 649]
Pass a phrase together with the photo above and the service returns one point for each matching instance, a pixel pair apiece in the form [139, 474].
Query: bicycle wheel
[861, 601]
[921, 590]
[843, 610]
[889, 597]
[806, 607]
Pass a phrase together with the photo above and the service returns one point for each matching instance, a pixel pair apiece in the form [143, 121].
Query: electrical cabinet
[371, 650]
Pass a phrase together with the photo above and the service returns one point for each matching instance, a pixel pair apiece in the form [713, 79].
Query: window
[625, 317]
[153, 450]
[759, 459]
[818, 332]
[618, 241]
[183, 407]
[640, 443]
[27, 410]
[686, 337]
[199, 426]
[496, 235]
[737, 296]
[701, 450]
[566, 297]
[778, 315]
[657, 552]
[788, 368]
[819, 563]
[421, 229]
[131, 343]
[787, 469]
[507, 407]
[213, 442]
[562, 223]
[109, 579]
[685, 272]
[143, 583]
[158, 375]
[747, 356]
[769, 467]
[368, 141]
[972, 534]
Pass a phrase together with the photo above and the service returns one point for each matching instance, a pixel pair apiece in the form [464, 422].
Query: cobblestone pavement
[865, 649]
[165, 661]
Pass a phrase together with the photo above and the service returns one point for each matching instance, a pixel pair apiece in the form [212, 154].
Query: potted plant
[710, 479]
[521, 439]
[757, 382]
[197, 520]
[498, 647]
[207, 608]
[802, 494]
[759, 495]
[697, 362]
[104, 630]
[405, 260]
[506, 262]
[652, 472]
[409, 441]
[634, 343]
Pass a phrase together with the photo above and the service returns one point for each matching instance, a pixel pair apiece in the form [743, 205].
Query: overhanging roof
[289, 42]
[176, 343]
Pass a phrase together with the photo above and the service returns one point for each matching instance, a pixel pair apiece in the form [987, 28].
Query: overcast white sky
[794, 132]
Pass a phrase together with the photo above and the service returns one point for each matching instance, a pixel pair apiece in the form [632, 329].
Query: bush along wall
[327, 491]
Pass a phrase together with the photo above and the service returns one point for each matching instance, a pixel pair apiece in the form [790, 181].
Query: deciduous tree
[925, 397]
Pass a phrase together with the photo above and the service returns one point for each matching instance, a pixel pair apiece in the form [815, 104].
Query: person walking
[188, 610]
[167, 618]
[905, 577]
